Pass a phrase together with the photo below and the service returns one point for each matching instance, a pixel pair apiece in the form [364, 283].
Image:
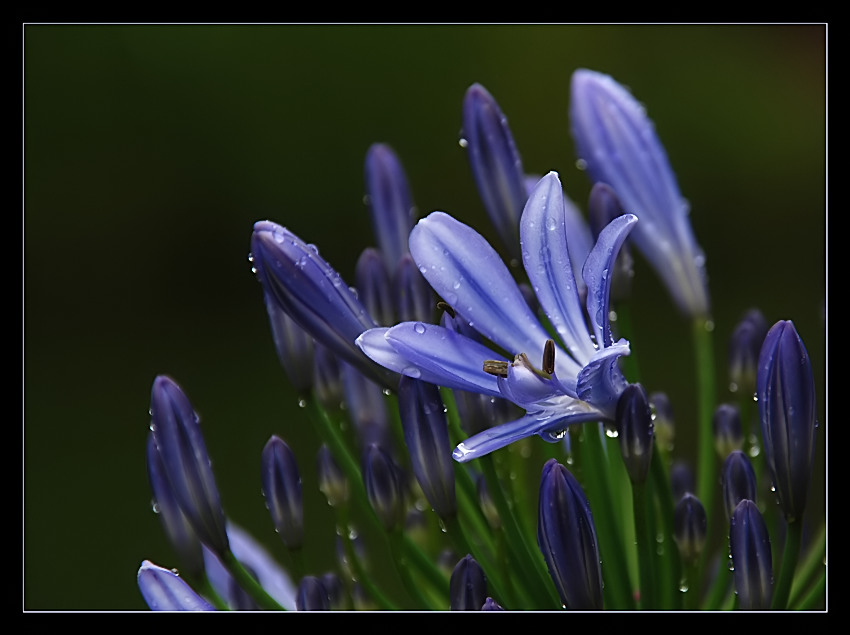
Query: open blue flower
[578, 380]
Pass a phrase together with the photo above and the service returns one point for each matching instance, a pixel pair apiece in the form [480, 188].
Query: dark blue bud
[185, 462]
[312, 595]
[738, 481]
[327, 379]
[177, 527]
[727, 430]
[681, 479]
[384, 488]
[388, 195]
[294, 347]
[567, 537]
[635, 431]
[307, 288]
[337, 595]
[495, 164]
[689, 527]
[367, 407]
[786, 399]
[467, 586]
[749, 544]
[332, 481]
[491, 605]
[372, 280]
[744, 348]
[662, 421]
[281, 483]
[413, 296]
[426, 434]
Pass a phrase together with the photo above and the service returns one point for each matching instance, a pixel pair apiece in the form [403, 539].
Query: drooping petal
[467, 273]
[164, 590]
[546, 257]
[598, 272]
[539, 423]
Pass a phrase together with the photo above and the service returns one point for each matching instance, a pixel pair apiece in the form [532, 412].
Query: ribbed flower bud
[185, 461]
[332, 481]
[384, 488]
[312, 595]
[634, 432]
[786, 400]
[681, 479]
[164, 590]
[619, 146]
[491, 605]
[744, 348]
[495, 164]
[281, 483]
[689, 527]
[367, 407]
[426, 434]
[749, 544]
[390, 202]
[727, 430]
[413, 296]
[337, 595]
[372, 280]
[307, 288]
[294, 347]
[177, 527]
[567, 537]
[327, 380]
[467, 586]
[737, 480]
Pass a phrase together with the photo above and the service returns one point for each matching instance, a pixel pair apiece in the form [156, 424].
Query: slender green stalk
[206, 590]
[670, 565]
[815, 597]
[791, 552]
[249, 584]
[707, 459]
[645, 546]
[810, 568]
[401, 553]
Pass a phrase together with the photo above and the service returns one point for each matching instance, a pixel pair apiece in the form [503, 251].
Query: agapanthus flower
[577, 380]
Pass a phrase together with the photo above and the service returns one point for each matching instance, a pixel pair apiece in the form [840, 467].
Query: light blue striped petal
[601, 382]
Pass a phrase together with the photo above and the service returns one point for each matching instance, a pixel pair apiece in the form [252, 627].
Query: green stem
[793, 536]
[249, 584]
[814, 598]
[707, 459]
[670, 566]
[645, 546]
[401, 554]
[812, 566]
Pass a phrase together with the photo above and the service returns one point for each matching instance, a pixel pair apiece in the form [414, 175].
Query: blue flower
[619, 146]
[577, 381]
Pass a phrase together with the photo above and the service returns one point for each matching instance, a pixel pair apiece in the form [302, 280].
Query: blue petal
[525, 387]
[468, 274]
[600, 383]
[164, 590]
[433, 354]
[390, 202]
[598, 273]
[546, 257]
[541, 423]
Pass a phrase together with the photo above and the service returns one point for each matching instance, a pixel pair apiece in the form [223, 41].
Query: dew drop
[581, 164]
[419, 328]
[412, 371]
[610, 433]
[462, 142]
[302, 403]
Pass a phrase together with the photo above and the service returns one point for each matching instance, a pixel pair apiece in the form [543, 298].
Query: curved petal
[600, 383]
[597, 267]
[546, 257]
[433, 354]
[164, 590]
[467, 272]
[539, 423]
[525, 387]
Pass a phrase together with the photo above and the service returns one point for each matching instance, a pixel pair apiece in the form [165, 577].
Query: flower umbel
[577, 381]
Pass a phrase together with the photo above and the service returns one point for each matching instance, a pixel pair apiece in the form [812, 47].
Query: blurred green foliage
[150, 150]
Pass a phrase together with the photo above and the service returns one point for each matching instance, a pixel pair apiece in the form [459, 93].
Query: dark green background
[149, 151]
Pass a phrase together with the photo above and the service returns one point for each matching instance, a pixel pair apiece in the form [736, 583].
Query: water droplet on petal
[419, 328]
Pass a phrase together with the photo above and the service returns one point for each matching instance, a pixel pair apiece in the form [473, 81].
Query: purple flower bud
[467, 586]
[567, 537]
[304, 286]
[689, 527]
[384, 488]
[749, 544]
[495, 164]
[177, 527]
[312, 595]
[337, 595]
[738, 481]
[786, 399]
[185, 461]
[426, 434]
[373, 286]
[367, 407]
[391, 205]
[327, 380]
[332, 481]
[294, 347]
[491, 605]
[634, 431]
[727, 430]
[744, 348]
[681, 479]
[282, 489]
[164, 590]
